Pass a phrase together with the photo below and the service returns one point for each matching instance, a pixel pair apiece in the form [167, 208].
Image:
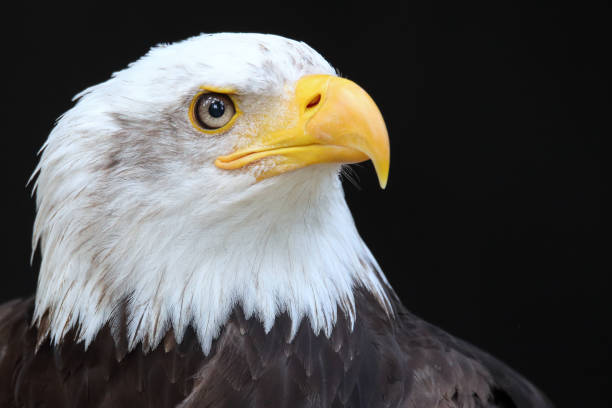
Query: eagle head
[204, 176]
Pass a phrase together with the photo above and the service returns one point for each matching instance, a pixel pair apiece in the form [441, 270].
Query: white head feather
[132, 210]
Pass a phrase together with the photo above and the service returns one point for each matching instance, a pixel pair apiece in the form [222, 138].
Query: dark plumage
[383, 362]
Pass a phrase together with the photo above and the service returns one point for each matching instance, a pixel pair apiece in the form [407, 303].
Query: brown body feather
[401, 362]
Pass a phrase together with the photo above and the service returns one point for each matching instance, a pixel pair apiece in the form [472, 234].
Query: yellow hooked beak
[338, 123]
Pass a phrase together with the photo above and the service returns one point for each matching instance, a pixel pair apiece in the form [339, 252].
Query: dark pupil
[216, 108]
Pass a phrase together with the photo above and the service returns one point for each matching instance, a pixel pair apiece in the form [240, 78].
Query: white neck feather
[190, 265]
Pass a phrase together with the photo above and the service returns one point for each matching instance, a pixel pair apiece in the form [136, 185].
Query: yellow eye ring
[195, 101]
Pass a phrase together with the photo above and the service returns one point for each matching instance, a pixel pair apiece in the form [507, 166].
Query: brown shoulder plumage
[381, 363]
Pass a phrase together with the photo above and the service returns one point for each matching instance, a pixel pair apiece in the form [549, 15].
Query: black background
[491, 225]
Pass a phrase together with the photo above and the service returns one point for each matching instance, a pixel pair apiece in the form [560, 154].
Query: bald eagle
[197, 249]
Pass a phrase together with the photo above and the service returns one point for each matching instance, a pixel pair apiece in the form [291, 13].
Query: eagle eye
[212, 111]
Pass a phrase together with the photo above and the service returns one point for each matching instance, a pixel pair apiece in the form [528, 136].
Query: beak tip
[383, 182]
[381, 167]
[383, 177]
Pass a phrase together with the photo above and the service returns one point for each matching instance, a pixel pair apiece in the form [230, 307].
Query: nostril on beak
[314, 101]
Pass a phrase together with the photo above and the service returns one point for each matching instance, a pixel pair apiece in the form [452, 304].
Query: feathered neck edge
[303, 256]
